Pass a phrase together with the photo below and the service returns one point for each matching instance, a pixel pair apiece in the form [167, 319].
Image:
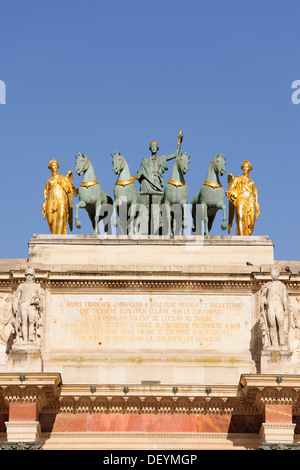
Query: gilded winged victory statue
[243, 201]
[58, 200]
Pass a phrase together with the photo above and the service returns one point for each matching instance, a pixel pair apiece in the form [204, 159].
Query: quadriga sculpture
[211, 196]
[176, 196]
[125, 196]
[96, 202]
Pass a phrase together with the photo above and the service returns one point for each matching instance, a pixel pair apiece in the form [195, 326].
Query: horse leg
[134, 217]
[79, 205]
[123, 218]
[211, 219]
[224, 222]
[132, 210]
[166, 218]
[184, 213]
[91, 214]
[97, 217]
[205, 219]
[177, 218]
[194, 203]
[114, 214]
[106, 217]
[130, 230]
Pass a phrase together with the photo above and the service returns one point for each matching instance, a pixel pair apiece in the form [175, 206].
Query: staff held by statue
[180, 139]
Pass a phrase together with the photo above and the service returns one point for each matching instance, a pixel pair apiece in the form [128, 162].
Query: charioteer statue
[150, 176]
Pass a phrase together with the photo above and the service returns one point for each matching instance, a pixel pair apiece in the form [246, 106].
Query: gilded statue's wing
[230, 179]
[70, 200]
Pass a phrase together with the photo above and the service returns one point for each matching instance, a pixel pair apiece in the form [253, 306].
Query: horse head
[118, 162]
[219, 164]
[81, 163]
[183, 161]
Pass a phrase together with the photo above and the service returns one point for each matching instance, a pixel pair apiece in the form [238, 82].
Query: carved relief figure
[5, 320]
[28, 305]
[58, 200]
[295, 324]
[275, 312]
[243, 201]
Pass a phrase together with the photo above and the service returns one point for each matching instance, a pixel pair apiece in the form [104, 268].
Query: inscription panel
[132, 322]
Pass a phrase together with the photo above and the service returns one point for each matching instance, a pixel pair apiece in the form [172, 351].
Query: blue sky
[99, 76]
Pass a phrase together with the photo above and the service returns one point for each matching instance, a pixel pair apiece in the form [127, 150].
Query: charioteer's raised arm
[176, 153]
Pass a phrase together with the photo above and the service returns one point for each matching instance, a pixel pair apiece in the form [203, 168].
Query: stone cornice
[271, 389]
[29, 388]
[246, 398]
[133, 281]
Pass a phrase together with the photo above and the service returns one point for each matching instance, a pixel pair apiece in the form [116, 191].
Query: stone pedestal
[26, 358]
[23, 431]
[155, 253]
[277, 432]
[3, 354]
[276, 360]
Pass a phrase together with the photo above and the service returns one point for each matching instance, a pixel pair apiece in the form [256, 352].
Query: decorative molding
[152, 405]
[109, 281]
[152, 356]
[188, 285]
[41, 389]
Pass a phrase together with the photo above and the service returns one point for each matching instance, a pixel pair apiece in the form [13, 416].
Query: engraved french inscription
[89, 322]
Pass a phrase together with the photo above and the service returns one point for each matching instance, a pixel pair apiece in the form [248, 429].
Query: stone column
[278, 426]
[23, 424]
[273, 397]
[25, 396]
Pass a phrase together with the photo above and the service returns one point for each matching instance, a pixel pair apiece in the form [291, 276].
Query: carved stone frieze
[19, 445]
[150, 405]
[152, 285]
[5, 324]
[114, 280]
[278, 446]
